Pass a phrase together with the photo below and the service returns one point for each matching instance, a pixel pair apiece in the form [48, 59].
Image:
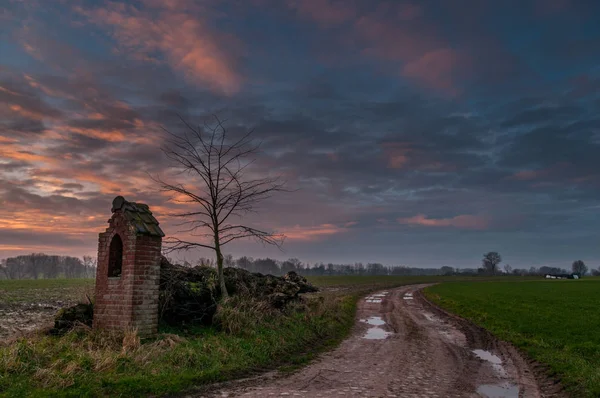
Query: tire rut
[415, 350]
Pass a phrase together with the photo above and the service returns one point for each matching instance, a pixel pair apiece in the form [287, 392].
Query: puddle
[376, 334]
[374, 320]
[488, 356]
[373, 300]
[506, 390]
[495, 360]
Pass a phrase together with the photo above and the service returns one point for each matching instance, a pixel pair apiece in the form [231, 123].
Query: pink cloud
[435, 69]
[185, 41]
[407, 11]
[403, 155]
[396, 154]
[464, 221]
[391, 33]
[324, 12]
[528, 174]
[416, 48]
[549, 7]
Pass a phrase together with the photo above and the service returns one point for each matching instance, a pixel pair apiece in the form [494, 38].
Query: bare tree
[89, 266]
[579, 268]
[219, 187]
[446, 270]
[4, 268]
[507, 269]
[491, 261]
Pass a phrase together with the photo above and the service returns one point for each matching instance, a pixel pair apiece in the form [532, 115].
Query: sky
[421, 133]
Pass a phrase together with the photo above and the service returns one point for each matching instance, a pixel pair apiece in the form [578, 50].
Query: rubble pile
[189, 295]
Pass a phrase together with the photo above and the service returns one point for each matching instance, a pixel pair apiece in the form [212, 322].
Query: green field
[555, 322]
[44, 290]
[94, 363]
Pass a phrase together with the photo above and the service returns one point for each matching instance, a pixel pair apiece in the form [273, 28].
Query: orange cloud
[465, 221]
[110, 136]
[4, 89]
[15, 153]
[44, 223]
[106, 185]
[311, 233]
[186, 43]
[26, 113]
[6, 139]
[45, 89]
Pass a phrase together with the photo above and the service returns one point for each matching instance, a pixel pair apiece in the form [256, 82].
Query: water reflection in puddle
[495, 360]
[382, 294]
[374, 320]
[376, 334]
[429, 317]
[376, 298]
[506, 390]
[373, 300]
[488, 356]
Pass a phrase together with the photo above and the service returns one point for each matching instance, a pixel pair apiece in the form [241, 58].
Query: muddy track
[403, 346]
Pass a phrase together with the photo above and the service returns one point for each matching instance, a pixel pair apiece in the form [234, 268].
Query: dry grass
[249, 336]
[241, 314]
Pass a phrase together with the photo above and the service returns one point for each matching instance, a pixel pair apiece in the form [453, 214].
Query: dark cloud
[42, 240]
[545, 115]
[469, 124]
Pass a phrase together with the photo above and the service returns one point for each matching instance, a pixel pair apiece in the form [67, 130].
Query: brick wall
[131, 300]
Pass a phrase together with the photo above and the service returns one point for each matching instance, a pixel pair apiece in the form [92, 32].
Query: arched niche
[115, 257]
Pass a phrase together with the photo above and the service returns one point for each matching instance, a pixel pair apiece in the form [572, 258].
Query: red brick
[132, 298]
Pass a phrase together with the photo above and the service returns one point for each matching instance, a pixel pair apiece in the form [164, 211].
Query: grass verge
[556, 323]
[94, 363]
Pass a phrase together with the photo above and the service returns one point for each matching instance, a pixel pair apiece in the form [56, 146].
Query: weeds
[247, 337]
[241, 315]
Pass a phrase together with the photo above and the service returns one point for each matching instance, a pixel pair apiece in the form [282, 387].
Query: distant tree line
[490, 266]
[492, 260]
[40, 265]
[277, 267]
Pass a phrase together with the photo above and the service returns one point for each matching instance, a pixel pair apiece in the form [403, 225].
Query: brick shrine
[128, 272]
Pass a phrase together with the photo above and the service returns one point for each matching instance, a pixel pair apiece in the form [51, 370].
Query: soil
[403, 346]
[17, 319]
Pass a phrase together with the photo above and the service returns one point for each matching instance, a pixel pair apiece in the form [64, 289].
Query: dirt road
[402, 346]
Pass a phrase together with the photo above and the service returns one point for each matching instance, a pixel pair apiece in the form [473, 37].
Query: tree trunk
[220, 268]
